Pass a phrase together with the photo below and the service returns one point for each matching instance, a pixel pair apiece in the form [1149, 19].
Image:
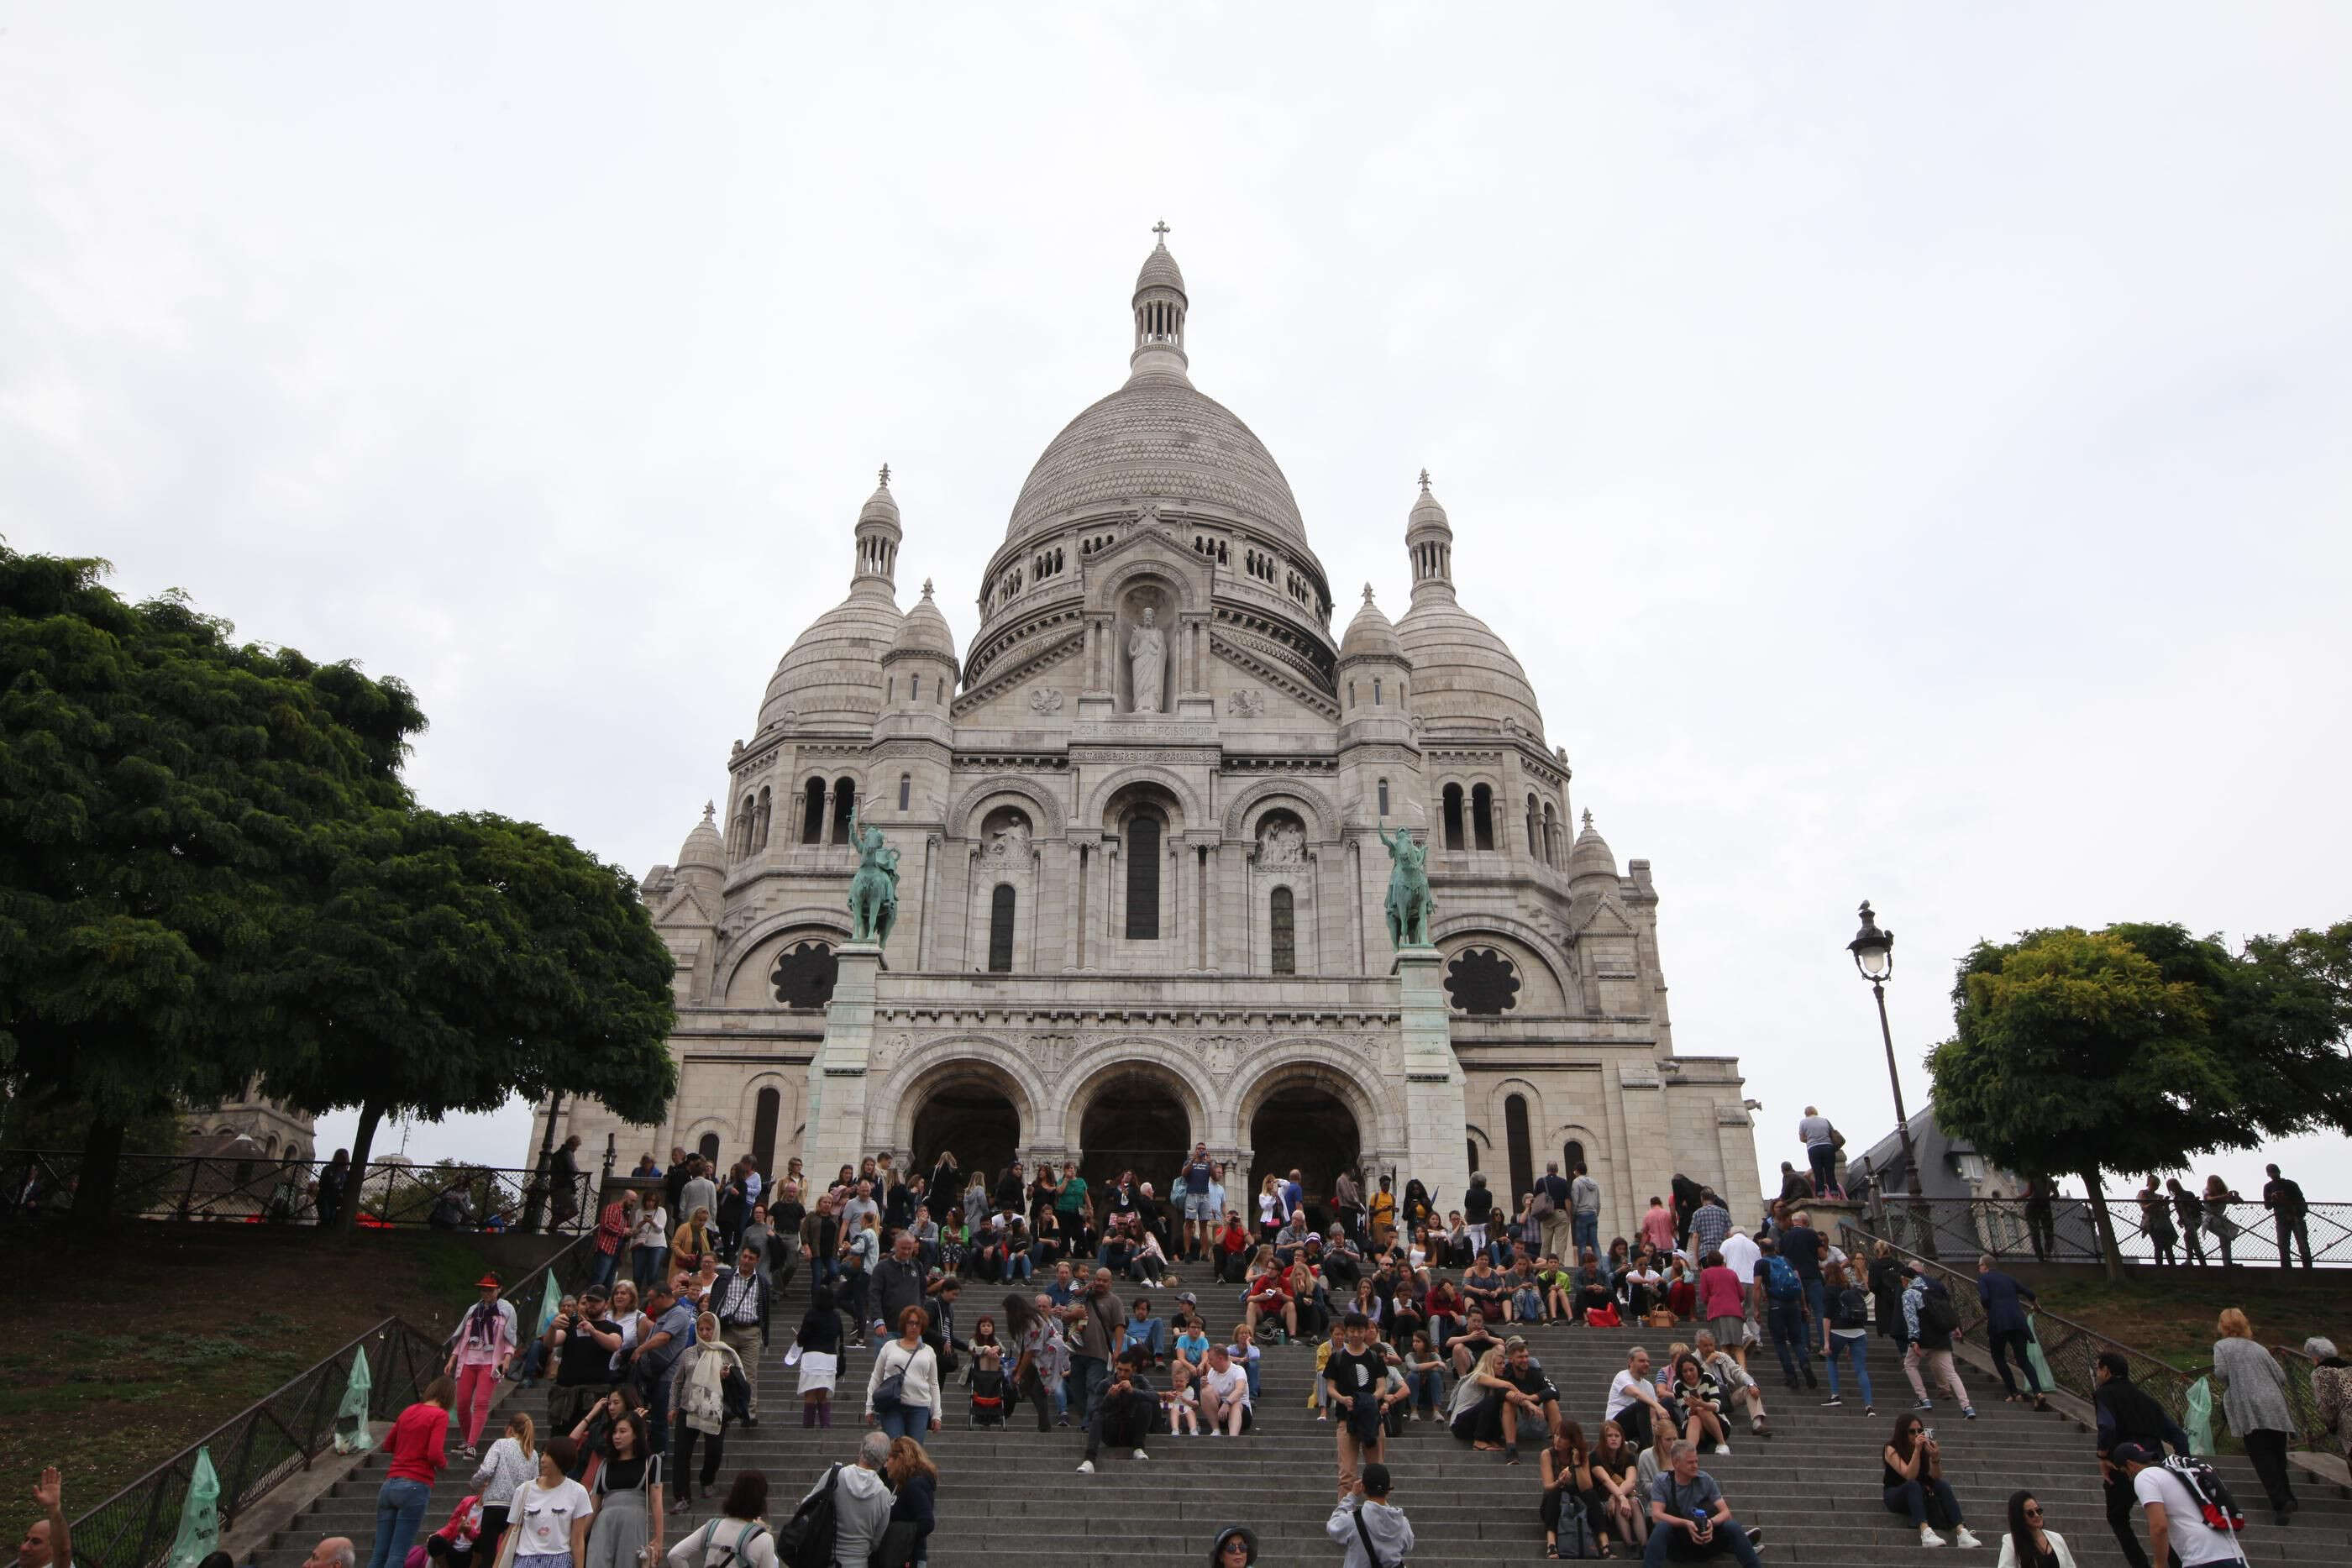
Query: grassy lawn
[2170, 1315]
[145, 1336]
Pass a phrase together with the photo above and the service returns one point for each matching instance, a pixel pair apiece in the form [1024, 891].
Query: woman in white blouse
[917, 1411]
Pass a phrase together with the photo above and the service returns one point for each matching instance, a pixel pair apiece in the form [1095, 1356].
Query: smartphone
[1927, 1436]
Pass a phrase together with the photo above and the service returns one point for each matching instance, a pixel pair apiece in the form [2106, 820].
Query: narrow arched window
[1534, 850]
[1281, 920]
[1454, 816]
[1000, 929]
[914, 688]
[708, 1146]
[906, 790]
[1143, 878]
[759, 819]
[769, 1109]
[1482, 817]
[845, 808]
[1376, 691]
[1550, 836]
[1384, 797]
[1523, 1159]
[813, 814]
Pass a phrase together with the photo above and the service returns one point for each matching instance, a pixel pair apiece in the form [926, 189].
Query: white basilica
[1141, 882]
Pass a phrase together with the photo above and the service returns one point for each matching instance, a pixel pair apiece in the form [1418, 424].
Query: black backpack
[1849, 1310]
[2212, 1494]
[806, 1539]
[1937, 1319]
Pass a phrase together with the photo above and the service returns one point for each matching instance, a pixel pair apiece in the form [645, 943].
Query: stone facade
[1141, 889]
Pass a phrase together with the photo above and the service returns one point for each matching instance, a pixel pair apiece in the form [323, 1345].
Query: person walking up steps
[2007, 1332]
[419, 1450]
[1931, 1322]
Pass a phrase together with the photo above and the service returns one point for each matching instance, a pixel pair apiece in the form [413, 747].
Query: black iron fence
[2066, 1232]
[2072, 1350]
[258, 1446]
[446, 1195]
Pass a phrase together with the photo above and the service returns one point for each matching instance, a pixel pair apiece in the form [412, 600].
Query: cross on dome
[709, 809]
[927, 587]
[886, 476]
[1425, 481]
[1587, 815]
[1368, 593]
[1161, 228]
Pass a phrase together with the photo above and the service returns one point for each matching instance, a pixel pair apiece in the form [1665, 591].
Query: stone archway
[967, 1108]
[1304, 1126]
[1132, 1119]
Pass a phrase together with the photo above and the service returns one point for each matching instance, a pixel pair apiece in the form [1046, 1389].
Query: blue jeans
[1427, 1388]
[399, 1510]
[1852, 1345]
[1786, 1323]
[1018, 1266]
[1586, 1230]
[1911, 1497]
[906, 1421]
[608, 1266]
[1728, 1537]
[644, 1265]
[1087, 1376]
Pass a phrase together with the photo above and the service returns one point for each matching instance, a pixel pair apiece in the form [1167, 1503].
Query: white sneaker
[1961, 1537]
[1723, 1448]
[1929, 1537]
[1141, 1455]
[1086, 1467]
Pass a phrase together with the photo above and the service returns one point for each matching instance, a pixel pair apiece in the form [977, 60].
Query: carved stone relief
[1044, 699]
[1249, 702]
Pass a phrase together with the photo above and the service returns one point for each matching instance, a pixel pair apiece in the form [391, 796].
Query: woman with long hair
[737, 1536]
[698, 1396]
[552, 1511]
[1041, 1357]
[1617, 1489]
[2028, 1544]
[818, 1349]
[1912, 1474]
[1701, 1397]
[1849, 1332]
[2218, 1196]
[916, 1480]
[1269, 1209]
[694, 1241]
[419, 1449]
[628, 1527]
[1567, 1467]
[2253, 1396]
[511, 1460]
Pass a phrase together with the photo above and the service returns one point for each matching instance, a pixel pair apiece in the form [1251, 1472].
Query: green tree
[469, 959]
[2137, 1047]
[169, 800]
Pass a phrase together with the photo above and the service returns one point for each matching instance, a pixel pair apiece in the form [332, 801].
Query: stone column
[1435, 1116]
[837, 1090]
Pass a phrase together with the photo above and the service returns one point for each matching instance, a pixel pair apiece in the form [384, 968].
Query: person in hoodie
[1389, 1530]
[861, 1503]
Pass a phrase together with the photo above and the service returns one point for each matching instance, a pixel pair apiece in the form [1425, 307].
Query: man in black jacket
[1126, 1412]
[2127, 1414]
[739, 1297]
[2283, 1197]
[897, 1285]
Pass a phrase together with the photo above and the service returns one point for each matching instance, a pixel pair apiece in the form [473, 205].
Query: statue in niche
[1146, 656]
[1010, 843]
[1282, 843]
[874, 891]
[1409, 907]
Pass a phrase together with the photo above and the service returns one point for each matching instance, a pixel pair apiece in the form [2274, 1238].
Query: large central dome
[1157, 436]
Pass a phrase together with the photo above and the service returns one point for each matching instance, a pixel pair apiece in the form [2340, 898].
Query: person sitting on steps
[1912, 1477]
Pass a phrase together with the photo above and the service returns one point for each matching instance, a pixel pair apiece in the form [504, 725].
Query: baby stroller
[988, 1390]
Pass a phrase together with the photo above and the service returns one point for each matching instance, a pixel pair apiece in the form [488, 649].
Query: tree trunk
[101, 1163]
[371, 1112]
[2111, 1254]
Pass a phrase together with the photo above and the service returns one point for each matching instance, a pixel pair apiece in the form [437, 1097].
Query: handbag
[891, 1392]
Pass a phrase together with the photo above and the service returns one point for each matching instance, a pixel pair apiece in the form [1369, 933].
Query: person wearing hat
[2176, 1522]
[1371, 1532]
[1235, 1548]
[2127, 1416]
[479, 1354]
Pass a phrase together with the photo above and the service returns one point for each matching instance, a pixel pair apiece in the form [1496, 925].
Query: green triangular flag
[199, 1535]
[550, 1300]
[353, 1432]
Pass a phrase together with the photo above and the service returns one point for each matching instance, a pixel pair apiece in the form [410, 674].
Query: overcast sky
[1908, 453]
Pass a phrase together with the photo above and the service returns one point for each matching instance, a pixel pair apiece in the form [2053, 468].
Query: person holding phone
[1915, 1484]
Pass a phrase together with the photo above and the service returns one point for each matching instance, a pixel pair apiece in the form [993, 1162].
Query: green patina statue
[874, 891]
[1410, 908]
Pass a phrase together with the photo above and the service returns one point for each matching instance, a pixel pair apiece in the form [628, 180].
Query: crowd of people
[1413, 1314]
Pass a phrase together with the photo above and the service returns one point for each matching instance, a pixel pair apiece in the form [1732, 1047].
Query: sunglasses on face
[2030, 1511]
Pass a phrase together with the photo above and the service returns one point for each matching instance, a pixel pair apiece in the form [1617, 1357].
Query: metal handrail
[2066, 1231]
[389, 1195]
[261, 1445]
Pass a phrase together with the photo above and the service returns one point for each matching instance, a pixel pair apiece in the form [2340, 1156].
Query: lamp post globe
[1873, 948]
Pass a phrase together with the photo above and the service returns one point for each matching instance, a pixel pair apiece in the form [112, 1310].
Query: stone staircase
[1012, 1497]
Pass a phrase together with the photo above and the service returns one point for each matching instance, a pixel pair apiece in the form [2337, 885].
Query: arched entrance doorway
[1302, 1127]
[1133, 1121]
[970, 1116]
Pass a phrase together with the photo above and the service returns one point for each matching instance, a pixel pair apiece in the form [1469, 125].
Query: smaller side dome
[880, 506]
[925, 631]
[1371, 635]
[704, 849]
[1590, 856]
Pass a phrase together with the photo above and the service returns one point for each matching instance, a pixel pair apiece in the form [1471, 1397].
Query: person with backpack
[1779, 1300]
[2188, 1511]
[737, 1537]
[1849, 1328]
[1931, 1322]
[2127, 1416]
[842, 1519]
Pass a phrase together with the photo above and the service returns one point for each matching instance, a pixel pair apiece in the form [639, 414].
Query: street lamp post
[1874, 954]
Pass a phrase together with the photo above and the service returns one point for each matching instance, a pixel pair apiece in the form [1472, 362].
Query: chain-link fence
[2065, 1231]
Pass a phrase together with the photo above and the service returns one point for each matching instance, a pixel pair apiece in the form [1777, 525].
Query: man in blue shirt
[1294, 1196]
[2006, 1329]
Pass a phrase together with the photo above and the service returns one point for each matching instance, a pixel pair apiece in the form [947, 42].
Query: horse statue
[874, 891]
[1410, 908]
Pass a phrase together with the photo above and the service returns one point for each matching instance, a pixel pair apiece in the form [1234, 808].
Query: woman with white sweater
[916, 1411]
[2254, 1398]
[510, 1461]
[2027, 1544]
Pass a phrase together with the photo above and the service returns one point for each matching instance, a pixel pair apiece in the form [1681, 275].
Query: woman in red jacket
[418, 1448]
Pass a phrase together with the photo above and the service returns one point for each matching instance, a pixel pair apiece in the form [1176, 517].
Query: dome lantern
[1160, 307]
[879, 534]
[1429, 540]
